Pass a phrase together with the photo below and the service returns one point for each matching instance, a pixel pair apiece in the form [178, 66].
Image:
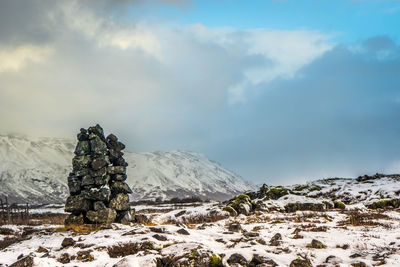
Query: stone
[183, 231]
[102, 194]
[292, 207]
[99, 163]
[276, 240]
[333, 260]
[97, 130]
[119, 177]
[68, 242]
[105, 216]
[82, 172]
[126, 216]
[87, 180]
[74, 219]
[23, 262]
[83, 136]
[259, 260]
[120, 187]
[237, 258]
[64, 258]
[234, 227]
[77, 204]
[74, 184]
[97, 146]
[317, 244]
[98, 193]
[116, 170]
[80, 162]
[160, 237]
[82, 148]
[120, 162]
[100, 172]
[119, 202]
[300, 263]
[99, 205]
[101, 180]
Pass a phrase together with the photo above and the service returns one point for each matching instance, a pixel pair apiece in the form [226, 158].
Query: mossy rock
[231, 210]
[385, 204]
[339, 205]
[215, 261]
[277, 192]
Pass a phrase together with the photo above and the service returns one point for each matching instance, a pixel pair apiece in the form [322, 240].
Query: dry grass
[358, 218]
[37, 219]
[84, 229]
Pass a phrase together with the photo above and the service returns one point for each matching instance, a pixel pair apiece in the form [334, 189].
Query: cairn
[98, 192]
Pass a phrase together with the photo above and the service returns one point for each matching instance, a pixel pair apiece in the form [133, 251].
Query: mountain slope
[36, 170]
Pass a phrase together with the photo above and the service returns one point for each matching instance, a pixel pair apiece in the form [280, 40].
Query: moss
[239, 198]
[300, 187]
[339, 205]
[277, 192]
[229, 209]
[382, 204]
[193, 253]
[215, 261]
[315, 188]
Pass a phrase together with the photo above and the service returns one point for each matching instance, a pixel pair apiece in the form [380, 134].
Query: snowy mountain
[36, 170]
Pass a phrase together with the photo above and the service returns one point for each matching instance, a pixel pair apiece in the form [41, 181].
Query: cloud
[15, 59]
[266, 103]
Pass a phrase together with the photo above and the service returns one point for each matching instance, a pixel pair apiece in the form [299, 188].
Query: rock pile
[98, 192]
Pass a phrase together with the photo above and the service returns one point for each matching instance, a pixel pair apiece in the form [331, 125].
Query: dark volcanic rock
[120, 187]
[98, 193]
[77, 204]
[102, 216]
[120, 202]
[24, 262]
[74, 219]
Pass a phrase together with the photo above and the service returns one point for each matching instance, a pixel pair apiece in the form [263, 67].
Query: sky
[279, 91]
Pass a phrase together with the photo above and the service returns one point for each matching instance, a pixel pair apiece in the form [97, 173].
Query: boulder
[292, 207]
[67, 242]
[74, 184]
[99, 163]
[116, 170]
[97, 146]
[24, 262]
[101, 180]
[80, 162]
[300, 263]
[97, 130]
[120, 202]
[99, 205]
[105, 216]
[74, 219]
[120, 187]
[97, 194]
[77, 203]
[126, 216]
[237, 258]
[82, 148]
[276, 240]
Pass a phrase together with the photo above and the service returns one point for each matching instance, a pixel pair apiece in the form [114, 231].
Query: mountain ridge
[36, 170]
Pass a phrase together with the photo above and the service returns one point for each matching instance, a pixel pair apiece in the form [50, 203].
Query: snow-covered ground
[349, 244]
[205, 235]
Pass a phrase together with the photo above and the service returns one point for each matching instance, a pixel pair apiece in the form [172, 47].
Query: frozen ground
[205, 235]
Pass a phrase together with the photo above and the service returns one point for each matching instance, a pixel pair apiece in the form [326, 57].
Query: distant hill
[36, 170]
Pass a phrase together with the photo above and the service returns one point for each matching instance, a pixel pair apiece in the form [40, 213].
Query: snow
[35, 170]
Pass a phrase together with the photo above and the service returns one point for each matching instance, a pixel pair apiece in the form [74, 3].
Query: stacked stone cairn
[98, 192]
